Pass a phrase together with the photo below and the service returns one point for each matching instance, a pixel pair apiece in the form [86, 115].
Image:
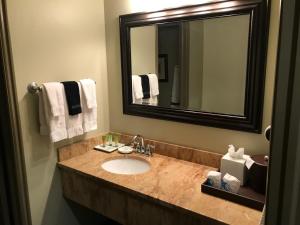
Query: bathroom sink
[127, 165]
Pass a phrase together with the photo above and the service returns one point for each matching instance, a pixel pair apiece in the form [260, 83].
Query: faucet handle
[150, 149]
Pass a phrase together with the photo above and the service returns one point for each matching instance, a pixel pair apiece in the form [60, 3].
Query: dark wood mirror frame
[258, 34]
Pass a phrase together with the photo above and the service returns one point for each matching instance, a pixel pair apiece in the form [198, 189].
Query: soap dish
[125, 149]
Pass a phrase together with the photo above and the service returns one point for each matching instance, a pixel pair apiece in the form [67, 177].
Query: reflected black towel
[73, 97]
[145, 86]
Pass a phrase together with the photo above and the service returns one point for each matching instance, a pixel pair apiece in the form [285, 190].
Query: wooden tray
[246, 196]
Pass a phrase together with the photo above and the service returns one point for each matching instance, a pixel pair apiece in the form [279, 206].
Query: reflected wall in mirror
[207, 61]
[201, 64]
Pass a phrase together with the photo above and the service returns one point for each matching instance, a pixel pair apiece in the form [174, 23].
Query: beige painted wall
[225, 52]
[54, 41]
[212, 139]
[143, 50]
[195, 60]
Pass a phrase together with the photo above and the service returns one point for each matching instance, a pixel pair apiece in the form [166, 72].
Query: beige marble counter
[171, 183]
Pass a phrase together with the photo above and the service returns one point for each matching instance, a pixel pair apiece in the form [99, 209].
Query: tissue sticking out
[236, 154]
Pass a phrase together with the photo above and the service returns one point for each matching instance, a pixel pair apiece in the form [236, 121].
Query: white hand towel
[154, 87]
[89, 114]
[231, 183]
[89, 92]
[56, 124]
[54, 97]
[214, 178]
[137, 90]
[73, 122]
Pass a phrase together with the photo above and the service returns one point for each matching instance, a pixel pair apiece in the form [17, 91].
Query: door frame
[14, 200]
[283, 200]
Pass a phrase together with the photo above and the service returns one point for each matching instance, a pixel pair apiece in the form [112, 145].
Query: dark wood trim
[259, 14]
[13, 176]
[283, 198]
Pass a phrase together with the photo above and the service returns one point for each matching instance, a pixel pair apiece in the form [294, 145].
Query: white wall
[187, 134]
[54, 41]
[143, 50]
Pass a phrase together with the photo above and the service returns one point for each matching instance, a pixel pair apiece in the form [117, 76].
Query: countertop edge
[136, 194]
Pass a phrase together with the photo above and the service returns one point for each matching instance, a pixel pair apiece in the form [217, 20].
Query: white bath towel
[154, 87]
[73, 122]
[89, 114]
[137, 90]
[89, 92]
[56, 125]
[54, 97]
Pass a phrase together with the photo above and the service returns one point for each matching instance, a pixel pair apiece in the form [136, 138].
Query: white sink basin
[126, 165]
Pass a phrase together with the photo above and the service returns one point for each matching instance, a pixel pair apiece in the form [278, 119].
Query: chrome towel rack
[34, 88]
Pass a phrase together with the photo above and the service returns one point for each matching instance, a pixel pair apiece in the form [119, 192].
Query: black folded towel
[145, 86]
[73, 97]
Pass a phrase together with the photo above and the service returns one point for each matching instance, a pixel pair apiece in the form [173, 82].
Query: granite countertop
[172, 182]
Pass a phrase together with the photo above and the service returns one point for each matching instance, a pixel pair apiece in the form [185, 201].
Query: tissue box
[235, 167]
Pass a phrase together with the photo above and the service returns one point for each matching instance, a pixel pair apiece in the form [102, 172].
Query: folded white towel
[89, 114]
[137, 90]
[231, 183]
[73, 122]
[214, 178]
[56, 125]
[154, 86]
[54, 98]
[89, 92]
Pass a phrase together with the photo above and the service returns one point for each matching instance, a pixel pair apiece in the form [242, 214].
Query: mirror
[197, 65]
[192, 61]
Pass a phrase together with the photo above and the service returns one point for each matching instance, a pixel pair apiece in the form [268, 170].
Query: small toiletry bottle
[116, 140]
[110, 139]
[104, 139]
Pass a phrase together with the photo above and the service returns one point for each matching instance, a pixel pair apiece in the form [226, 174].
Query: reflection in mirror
[198, 65]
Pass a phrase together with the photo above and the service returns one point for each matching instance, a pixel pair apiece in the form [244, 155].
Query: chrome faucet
[138, 144]
[149, 149]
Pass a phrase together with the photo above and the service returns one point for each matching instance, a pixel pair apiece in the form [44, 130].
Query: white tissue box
[235, 167]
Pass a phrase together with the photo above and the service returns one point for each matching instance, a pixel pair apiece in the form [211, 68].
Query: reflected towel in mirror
[137, 91]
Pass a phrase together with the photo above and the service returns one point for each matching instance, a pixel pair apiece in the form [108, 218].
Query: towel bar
[34, 88]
